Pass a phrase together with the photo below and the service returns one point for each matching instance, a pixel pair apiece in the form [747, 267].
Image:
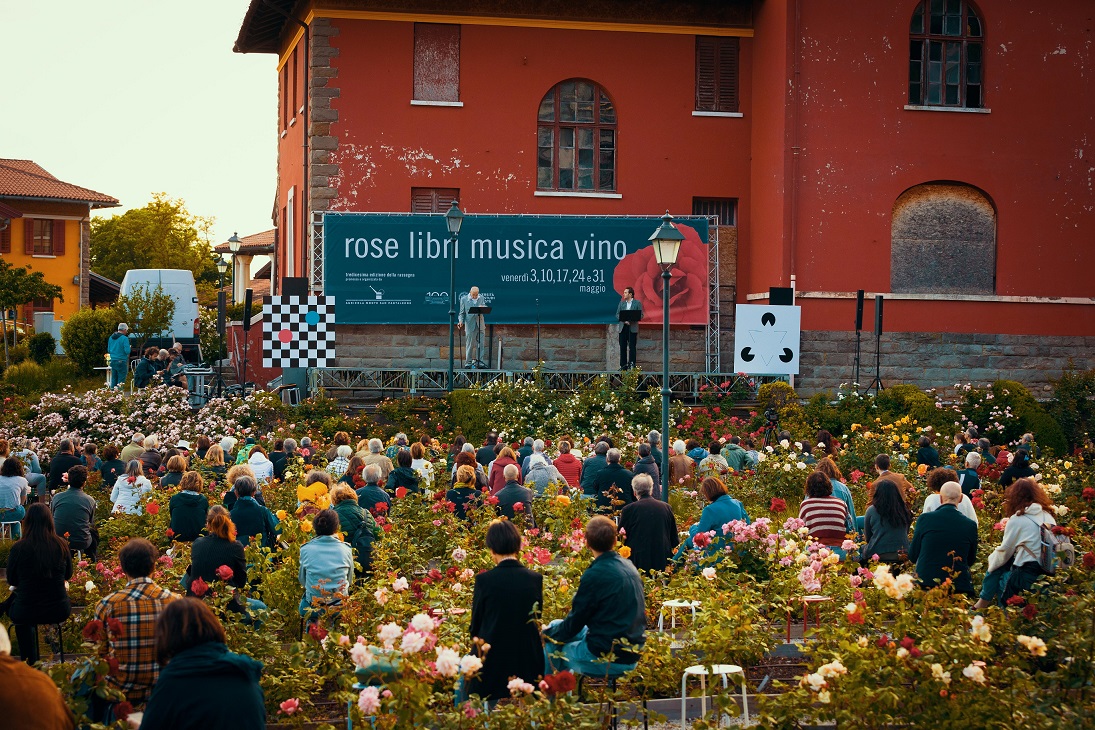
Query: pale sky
[131, 97]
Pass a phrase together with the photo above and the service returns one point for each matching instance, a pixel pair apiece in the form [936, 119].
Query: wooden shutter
[728, 75]
[433, 200]
[28, 236]
[5, 239]
[58, 238]
[705, 74]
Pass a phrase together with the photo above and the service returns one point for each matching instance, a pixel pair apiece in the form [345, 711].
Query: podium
[477, 363]
[630, 315]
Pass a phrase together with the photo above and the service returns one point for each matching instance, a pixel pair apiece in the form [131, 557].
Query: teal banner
[394, 269]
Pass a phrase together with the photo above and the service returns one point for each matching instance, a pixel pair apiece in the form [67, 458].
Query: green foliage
[161, 235]
[1073, 405]
[41, 346]
[84, 337]
[412, 416]
[469, 415]
[147, 311]
[213, 346]
[904, 399]
[29, 377]
[782, 398]
[5, 548]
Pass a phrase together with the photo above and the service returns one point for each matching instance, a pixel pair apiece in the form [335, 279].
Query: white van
[178, 283]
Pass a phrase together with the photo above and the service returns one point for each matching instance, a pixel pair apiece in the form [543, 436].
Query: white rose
[708, 573]
[89, 586]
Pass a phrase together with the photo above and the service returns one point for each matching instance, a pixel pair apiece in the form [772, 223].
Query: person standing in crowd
[136, 607]
[655, 439]
[505, 614]
[29, 697]
[593, 465]
[1014, 566]
[681, 467]
[826, 516]
[1019, 468]
[39, 566]
[128, 490]
[118, 347]
[463, 491]
[568, 465]
[612, 487]
[472, 324]
[526, 450]
[944, 544]
[59, 465]
[485, 454]
[202, 685]
[646, 464]
[112, 467]
[513, 494]
[607, 615]
[74, 514]
[886, 525]
[968, 479]
[326, 568]
[629, 331]
[648, 527]
[189, 508]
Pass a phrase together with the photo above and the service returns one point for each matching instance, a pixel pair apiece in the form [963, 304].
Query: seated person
[237, 471]
[326, 567]
[608, 615]
[250, 517]
[722, 508]
[513, 494]
[463, 491]
[314, 495]
[74, 514]
[188, 508]
[372, 494]
[944, 543]
[403, 475]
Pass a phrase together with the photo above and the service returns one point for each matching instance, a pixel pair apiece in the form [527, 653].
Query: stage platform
[372, 383]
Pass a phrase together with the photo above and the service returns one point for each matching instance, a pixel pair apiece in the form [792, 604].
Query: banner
[394, 269]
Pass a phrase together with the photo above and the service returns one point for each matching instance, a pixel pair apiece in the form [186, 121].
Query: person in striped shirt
[826, 516]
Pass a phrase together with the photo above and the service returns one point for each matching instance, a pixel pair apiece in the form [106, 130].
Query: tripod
[771, 433]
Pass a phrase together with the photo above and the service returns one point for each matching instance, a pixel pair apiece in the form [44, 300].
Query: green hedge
[41, 346]
[84, 337]
[469, 414]
[29, 377]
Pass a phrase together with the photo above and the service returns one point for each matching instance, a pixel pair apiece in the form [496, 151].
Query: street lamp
[234, 244]
[453, 219]
[222, 267]
[667, 244]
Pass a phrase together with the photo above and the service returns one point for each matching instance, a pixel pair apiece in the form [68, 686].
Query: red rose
[908, 642]
[688, 290]
[855, 618]
[93, 630]
[170, 533]
[778, 505]
[519, 507]
[701, 540]
[1016, 601]
[1089, 493]
[199, 587]
[439, 495]
[112, 665]
[317, 632]
[122, 710]
[435, 574]
[1089, 560]
[492, 500]
[883, 641]
[388, 527]
[153, 508]
[1030, 611]
[559, 683]
[225, 573]
[114, 628]
[400, 492]
[381, 506]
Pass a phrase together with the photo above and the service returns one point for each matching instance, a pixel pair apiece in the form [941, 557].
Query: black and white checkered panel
[299, 332]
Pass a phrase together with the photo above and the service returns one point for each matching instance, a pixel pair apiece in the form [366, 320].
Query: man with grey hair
[372, 494]
[655, 439]
[967, 478]
[399, 445]
[526, 449]
[944, 543]
[612, 486]
[513, 494]
[306, 449]
[375, 456]
[133, 449]
[118, 346]
[592, 466]
[648, 527]
[537, 452]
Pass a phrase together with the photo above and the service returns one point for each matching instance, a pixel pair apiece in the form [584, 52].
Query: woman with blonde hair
[421, 464]
[214, 461]
[357, 526]
[497, 477]
[176, 465]
[129, 489]
[237, 471]
[463, 490]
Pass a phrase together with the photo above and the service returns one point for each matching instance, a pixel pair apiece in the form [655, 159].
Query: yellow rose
[306, 525]
[562, 500]
[625, 552]
[282, 514]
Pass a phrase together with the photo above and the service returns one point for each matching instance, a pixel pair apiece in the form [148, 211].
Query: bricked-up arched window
[576, 139]
[943, 240]
[946, 55]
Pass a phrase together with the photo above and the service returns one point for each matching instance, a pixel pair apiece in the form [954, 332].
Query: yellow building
[46, 223]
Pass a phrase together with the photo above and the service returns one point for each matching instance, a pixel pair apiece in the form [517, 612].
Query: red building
[934, 151]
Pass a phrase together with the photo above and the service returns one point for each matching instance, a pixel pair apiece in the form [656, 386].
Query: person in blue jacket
[118, 347]
[722, 509]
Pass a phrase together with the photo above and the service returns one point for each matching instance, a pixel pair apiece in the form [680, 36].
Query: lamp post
[454, 218]
[667, 244]
[234, 246]
[222, 266]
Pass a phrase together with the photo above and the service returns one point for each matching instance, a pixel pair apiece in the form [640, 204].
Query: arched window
[946, 47]
[576, 139]
[943, 240]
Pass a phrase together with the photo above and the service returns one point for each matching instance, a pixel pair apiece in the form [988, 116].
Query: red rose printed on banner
[688, 290]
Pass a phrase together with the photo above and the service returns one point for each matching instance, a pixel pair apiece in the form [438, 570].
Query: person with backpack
[357, 526]
[1016, 564]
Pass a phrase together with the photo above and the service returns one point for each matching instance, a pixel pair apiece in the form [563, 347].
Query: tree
[161, 235]
[147, 311]
[19, 286]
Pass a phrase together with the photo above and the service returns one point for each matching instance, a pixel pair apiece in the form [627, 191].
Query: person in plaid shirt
[127, 622]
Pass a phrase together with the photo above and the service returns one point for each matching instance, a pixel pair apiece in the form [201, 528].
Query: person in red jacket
[568, 465]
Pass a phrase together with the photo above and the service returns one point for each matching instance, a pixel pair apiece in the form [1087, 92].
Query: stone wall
[588, 347]
[939, 360]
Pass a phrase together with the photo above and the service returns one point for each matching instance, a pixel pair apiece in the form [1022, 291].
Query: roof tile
[27, 179]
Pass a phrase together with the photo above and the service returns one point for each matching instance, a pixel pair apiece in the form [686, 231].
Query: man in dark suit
[526, 450]
[592, 466]
[944, 543]
[513, 494]
[648, 526]
[59, 465]
[613, 483]
[629, 331]
[647, 465]
[485, 455]
[505, 613]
